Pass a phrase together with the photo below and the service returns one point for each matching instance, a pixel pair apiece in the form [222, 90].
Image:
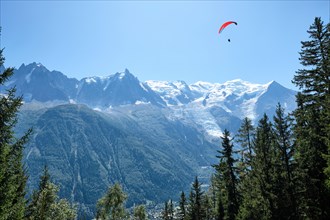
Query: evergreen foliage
[259, 198]
[170, 210]
[45, 204]
[140, 213]
[285, 177]
[182, 215]
[12, 172]
[244, 138]
[196, 211]
[111, 205]
[226, 171]
[312, 123]
[165, 215]
[220, 211]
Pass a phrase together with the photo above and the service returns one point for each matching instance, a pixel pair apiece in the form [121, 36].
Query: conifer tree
[12, 172]
[111, 205]
[312, 122]
[285, 166]
[182, 206]
[196, 211]
[140, 213]
[207, 207]
[244, 138]
[220, 214]
[210, 199]
[165, 214]
[170, 210]
[45, 204]
[227, 172]
[259, 188]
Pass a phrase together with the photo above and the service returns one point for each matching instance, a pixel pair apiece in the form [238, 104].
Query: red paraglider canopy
[226, 24]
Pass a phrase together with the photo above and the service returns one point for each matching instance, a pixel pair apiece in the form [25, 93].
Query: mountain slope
[152, 157]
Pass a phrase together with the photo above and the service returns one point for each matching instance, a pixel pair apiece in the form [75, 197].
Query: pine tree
[45, 203]
[111, 205]
[285, 166]
[312, 122]
[259, 187]
[244, 138]
[170, 210]
[12, 172]
[210, 199]
[196, 211]
[227, 172]
[165, 214]
[220, 214]
[182, 206]
[140, 213]
[207, 207]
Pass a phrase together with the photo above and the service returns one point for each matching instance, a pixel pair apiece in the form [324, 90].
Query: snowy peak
[36, 66]
[237, 97]
[173, 93]
[126, 75]
[119, 76]
[121, 88]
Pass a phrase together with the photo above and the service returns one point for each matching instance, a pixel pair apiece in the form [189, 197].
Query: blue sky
[161, 40]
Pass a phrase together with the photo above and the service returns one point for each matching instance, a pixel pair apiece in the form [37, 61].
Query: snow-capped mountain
[173, 93]
[118, 89]
[237, 97]
[209, 105]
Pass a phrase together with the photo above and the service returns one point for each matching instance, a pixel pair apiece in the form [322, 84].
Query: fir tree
[312, 122]
[12, 172]
[285, 165]
[259, 194]
[182, 206]
[140, 213]
[170, 210]
[196, 211]
[45, 204]
[220, 214]
[207, 207]
[227, 172]
[111, 205]
[165, 214]
[244, 138]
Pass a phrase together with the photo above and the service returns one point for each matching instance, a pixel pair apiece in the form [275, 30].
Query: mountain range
[153, 137]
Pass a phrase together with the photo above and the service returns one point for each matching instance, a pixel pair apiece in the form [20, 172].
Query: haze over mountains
[153, 137]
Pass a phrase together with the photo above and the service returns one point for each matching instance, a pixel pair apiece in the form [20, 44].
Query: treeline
[282, 170]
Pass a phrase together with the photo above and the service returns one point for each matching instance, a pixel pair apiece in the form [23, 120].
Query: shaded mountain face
[154, 158]
[152, 137]
[118, 89]
[36, 82]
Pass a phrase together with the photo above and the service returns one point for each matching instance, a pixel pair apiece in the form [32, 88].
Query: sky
[161, 40]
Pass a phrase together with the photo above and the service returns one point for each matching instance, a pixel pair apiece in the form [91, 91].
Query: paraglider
[224, 25]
